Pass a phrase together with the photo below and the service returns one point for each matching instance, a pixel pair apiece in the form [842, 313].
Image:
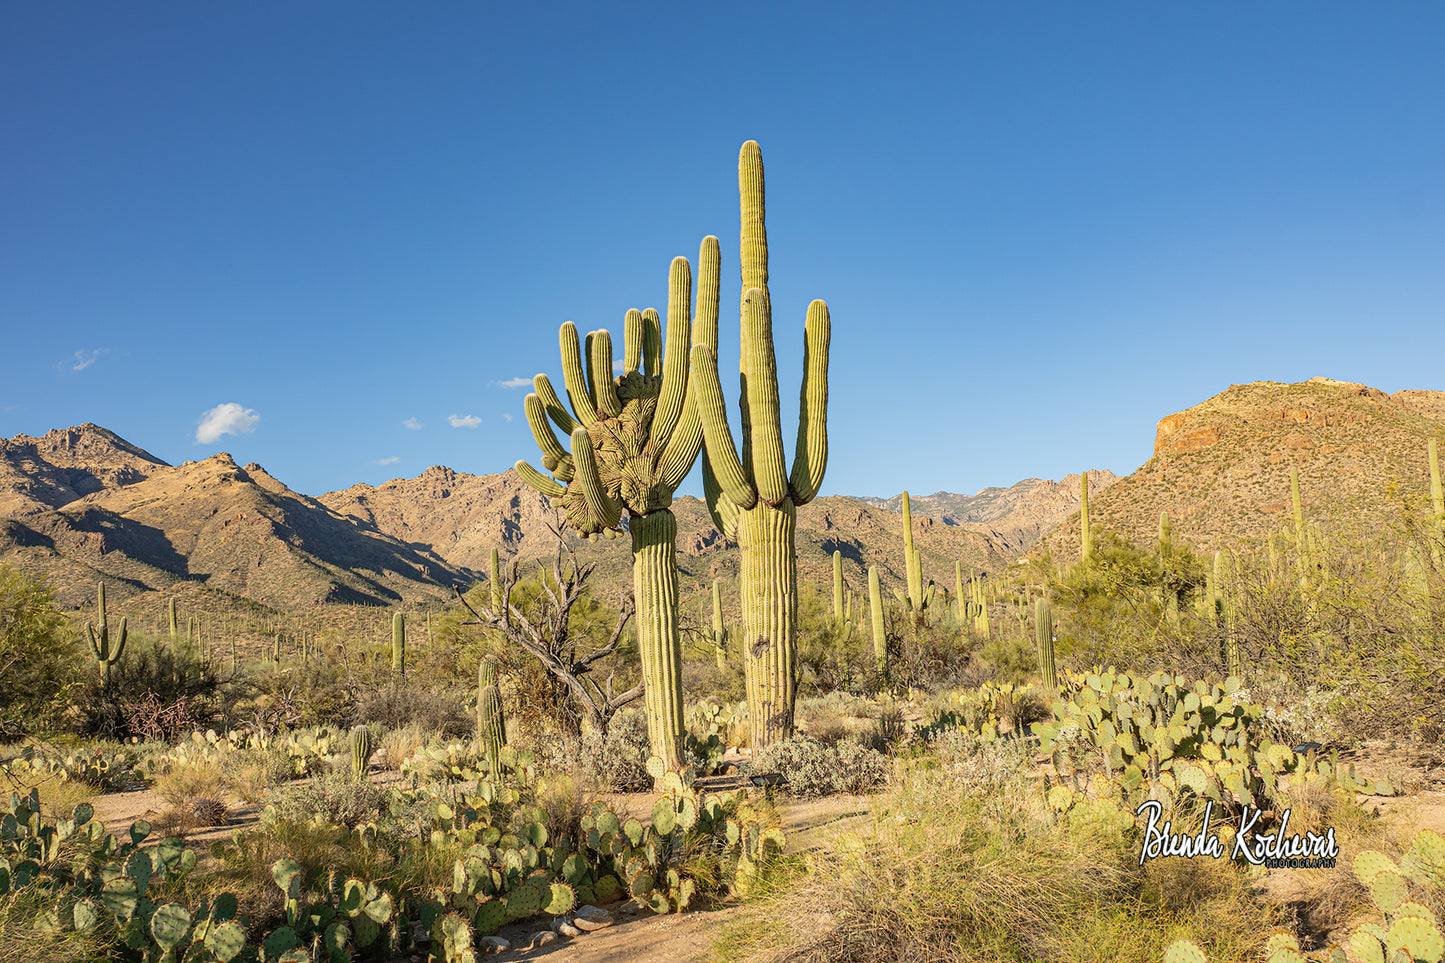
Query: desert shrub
[156, 692]
[40, 661]
[310, 694]
[616, 762]
[332, 795]
[441, 710]
[811, 768]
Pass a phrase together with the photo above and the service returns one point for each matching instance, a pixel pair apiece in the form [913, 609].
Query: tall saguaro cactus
[1086, 534]
[880, 635]
[634, 438]
[752, 496]
[107, 650]
[491, 720]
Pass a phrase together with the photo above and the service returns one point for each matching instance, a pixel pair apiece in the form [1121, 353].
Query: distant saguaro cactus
[1086, 534]
[752, 496]
[880, 636]
[107, 650]
[398, 644]
[1044, 637]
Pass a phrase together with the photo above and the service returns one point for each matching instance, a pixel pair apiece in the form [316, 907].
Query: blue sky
[1040, 227]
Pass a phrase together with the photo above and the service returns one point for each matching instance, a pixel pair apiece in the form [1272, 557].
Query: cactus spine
[1044, 638]
[880, 637]
[1086, 534]
[634, 438]
[752, 497]
[107, 650]
[491, 722]
[360, 752]
[398, 644]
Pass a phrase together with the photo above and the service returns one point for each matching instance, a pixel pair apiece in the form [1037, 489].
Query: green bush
[40, 661]
[813, 768]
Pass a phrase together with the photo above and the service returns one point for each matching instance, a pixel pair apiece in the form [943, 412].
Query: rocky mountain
[1221, 469]
[82, 504]
[1016, 517]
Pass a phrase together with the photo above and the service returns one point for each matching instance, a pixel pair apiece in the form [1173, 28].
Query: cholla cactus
[634, 438]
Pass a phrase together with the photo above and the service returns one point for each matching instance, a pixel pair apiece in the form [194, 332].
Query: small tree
[544, 629]
[37, 660]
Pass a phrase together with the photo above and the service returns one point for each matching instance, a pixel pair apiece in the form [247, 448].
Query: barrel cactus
[634, 438]
[752, 497]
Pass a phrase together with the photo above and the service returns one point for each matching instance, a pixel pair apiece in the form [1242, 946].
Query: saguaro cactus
[840, 616]
[1044, 637]
[107, 650]
[880, 636]
[719, 629]
[491, 722]
[398, 644]
[1300, 548]
[175, 628]
[361, 746]
[752, 497]
[1086, 534]
[634, 439]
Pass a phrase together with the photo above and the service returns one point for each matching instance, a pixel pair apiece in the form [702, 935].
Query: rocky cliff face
[1221, 469]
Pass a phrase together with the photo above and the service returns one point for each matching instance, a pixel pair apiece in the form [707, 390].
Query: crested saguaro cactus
[634, 438]
[107, 650]
[752, 496]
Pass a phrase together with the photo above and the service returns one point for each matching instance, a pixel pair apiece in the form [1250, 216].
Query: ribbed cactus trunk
[913, 565]
[1086, 534]
[361, 746]
[491, 722]
[654, 586]
[769, 589]
[175, 628]
[958, 591]
[880, 635]
[719, 628]
[839, 615]
[398, 644]
[1044, 638]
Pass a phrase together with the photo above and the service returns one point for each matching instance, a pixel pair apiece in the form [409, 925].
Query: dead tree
[546, 633]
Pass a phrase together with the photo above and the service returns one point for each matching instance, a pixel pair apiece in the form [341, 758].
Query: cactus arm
[686, 441]
[96, 645]
[670, 405]
[810, 457]
[727, 468]
[633, 337]
[652, 345]
[599, 366]
[766, 435]
[606, 512]
[573, 375]
[724, 510]
[753, 243]
[709, 284]
[553, 454]
[560, 416]
[539, 481]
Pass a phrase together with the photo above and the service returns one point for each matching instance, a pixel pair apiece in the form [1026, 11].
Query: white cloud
[412, 424]
[386, 461]
[513, 383]
[226, 419]
[84, 359]
[506, 417]
[463, 421]
[617, 365]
